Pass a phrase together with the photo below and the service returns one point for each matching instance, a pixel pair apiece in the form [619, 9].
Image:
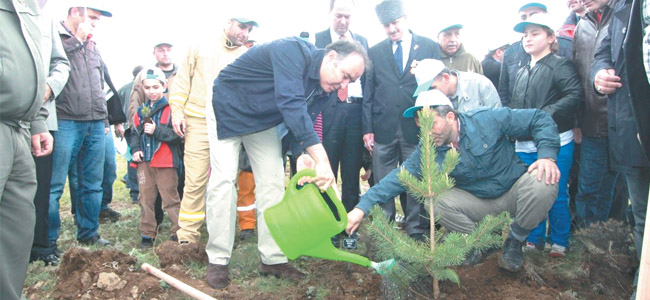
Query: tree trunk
[432, 236]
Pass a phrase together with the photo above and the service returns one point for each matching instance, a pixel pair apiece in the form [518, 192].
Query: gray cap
[389, 11]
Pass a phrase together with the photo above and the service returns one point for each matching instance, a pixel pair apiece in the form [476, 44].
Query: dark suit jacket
[628, 110]
[323, 39]
[387, 94]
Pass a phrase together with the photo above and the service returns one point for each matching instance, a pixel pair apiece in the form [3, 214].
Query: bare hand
[369, 141]
[149, 128]
[606, 82]
[42, 144]
[119, 130]
[106, 130]
[324, 175]
[305, 162]
[545, 165]
[48, 93]
[137, 156]
[179, 127]
[577, 135]
[354, 220]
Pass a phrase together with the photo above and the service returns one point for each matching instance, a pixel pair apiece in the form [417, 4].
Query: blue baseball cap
[533, 4]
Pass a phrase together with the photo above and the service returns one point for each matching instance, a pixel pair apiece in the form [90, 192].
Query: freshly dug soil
[604, 270]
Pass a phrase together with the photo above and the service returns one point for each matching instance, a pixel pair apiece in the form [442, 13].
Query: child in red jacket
[155, 148]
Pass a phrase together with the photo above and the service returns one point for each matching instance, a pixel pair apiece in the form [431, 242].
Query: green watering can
[305, 221]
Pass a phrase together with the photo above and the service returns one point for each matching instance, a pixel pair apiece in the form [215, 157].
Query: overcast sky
[127, 39]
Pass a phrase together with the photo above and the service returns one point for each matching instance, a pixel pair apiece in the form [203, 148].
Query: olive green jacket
[22, 72]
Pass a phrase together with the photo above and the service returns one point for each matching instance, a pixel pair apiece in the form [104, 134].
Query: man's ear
[332, 55]
[451, 116]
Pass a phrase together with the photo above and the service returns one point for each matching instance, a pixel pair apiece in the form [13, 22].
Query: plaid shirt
[645, 11]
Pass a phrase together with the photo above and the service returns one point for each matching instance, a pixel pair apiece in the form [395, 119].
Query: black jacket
[628, 112]
[323, 39]
[514, 58]
[82, 98]
[552, 85]
[491, 69]
[387, 94]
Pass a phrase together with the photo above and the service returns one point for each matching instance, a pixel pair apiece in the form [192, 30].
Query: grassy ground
[124, 236]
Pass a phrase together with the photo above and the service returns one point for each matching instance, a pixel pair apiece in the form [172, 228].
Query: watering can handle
[293, 184]
[293, 187]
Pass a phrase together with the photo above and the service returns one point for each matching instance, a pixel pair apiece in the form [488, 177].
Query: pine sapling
[417, 260]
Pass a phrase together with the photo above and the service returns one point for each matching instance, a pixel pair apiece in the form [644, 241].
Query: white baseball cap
[425, 71]
[543, 20]
[427, 98]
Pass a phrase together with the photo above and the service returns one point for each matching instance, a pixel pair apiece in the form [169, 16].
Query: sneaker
[284, 271]
[217, 276]
[246, 234]
[512, 257]
[530, 246]
[557, 251]
[95, 240]
[146, 243]
[109, 215]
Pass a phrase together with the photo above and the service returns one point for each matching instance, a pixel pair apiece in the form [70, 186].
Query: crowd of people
[565, 107]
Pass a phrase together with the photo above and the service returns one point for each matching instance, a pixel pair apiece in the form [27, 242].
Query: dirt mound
[80, 271]
[602, 267]
[171, 253]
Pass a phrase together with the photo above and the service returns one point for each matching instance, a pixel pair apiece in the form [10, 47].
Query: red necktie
[342, 92]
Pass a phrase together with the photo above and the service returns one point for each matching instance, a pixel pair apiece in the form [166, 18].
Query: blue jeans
[596, 182]
[110, 174]
[81, 141]
[110, 171]
[559, 215]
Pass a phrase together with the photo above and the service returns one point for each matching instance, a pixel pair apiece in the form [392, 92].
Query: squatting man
[490, 178]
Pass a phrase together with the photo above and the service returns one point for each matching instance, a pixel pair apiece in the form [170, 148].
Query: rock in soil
[110, 282]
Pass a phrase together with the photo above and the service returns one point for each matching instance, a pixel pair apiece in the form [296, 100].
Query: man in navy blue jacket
[269, 89]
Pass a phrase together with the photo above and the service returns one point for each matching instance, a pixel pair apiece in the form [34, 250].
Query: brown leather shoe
[284, 271]
[217, 276]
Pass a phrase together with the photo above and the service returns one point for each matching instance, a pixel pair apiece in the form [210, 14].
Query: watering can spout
[326, 250]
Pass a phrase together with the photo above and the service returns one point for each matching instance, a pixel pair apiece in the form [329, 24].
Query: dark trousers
[41, 246]
[385, 158]
[343, 143]
[638, 183]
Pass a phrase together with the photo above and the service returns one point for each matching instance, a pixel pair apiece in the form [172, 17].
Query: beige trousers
[264, 151]
[197, 164]
[528, 202]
